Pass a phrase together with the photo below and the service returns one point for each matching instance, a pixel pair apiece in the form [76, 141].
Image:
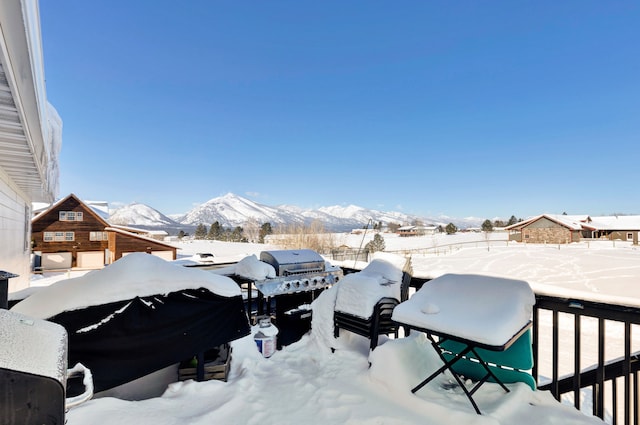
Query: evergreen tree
[512, 220]
[236, 235]
[487, 226]
[215, 231]
[181, 234]
[451, 229]
[201, 231]
[377, 244]
[265, 230]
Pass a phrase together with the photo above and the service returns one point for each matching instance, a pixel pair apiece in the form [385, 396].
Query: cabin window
[629, 236]
[98, 236]
[59, 236]
[70, 216]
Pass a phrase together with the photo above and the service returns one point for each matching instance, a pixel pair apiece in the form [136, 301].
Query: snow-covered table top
[359, 292]
[487, 310]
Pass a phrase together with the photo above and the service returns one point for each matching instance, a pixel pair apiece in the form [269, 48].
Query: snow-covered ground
[307, 383]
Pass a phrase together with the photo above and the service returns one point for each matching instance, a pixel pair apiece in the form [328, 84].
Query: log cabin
[70, 234]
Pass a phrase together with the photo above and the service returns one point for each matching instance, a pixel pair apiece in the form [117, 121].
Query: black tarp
[125, 340]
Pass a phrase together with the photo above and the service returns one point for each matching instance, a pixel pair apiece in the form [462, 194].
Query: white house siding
[14, 243]
[30, 135]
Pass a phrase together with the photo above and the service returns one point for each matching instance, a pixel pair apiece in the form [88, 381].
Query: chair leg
[374, 341]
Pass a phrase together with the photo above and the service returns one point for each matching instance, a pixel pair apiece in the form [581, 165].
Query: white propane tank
[266, 336]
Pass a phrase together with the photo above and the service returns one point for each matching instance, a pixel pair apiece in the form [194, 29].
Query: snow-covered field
[306, 383]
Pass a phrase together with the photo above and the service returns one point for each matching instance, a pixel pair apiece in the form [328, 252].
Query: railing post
[535, 344]
[4, 288]
[626, 370]
[577, 385]
[600, 370]
[555, 389]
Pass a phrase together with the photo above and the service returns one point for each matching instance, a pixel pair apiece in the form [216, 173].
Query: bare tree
[252, 230]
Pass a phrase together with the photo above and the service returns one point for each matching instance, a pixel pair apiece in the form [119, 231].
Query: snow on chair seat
[366, 299]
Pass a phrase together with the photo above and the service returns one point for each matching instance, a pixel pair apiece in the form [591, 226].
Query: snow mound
[135, 275]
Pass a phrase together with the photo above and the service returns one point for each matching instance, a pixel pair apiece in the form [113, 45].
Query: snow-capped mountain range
[232, 210]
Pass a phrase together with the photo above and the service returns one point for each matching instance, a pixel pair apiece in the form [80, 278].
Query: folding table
[471, 313]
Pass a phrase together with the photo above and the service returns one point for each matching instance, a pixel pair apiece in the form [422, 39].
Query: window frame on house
[98, 236]
[70, 216]
[58, 236]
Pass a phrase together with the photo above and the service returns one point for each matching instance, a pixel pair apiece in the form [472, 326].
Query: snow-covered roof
[129, 229]
[578, 222]
[97, 212]
[135, 275]
[137, 236]
[99, 207]
[615, 222]
[573, 222]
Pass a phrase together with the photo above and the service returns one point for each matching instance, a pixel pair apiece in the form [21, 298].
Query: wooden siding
[116, 242]
[120, 243]
[49, 221]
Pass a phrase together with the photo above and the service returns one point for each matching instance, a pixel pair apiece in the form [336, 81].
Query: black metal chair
[379, 323]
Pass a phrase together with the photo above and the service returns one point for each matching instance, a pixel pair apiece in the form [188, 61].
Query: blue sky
[464, 108]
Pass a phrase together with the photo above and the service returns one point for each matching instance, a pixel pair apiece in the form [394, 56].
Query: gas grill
[298, 270]
[301, 275]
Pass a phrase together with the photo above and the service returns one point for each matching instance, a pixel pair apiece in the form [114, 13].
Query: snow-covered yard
[307, 383]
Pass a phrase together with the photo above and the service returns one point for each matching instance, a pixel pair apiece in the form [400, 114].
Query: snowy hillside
[139, 214]
[232, 210]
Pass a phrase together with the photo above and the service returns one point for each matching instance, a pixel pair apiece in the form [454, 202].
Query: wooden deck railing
[612, 382]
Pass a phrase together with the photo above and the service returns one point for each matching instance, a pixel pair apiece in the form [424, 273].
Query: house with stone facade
[550, 228]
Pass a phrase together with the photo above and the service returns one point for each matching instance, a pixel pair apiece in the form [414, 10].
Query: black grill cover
[125, 340]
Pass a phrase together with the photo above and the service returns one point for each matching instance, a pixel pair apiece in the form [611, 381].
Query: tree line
[255, 232]
[218, 232]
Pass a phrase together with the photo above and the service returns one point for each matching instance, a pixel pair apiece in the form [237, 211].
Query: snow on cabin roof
[138, 236]
[95, 207]
[129, 228]
[135, 275]
[99, 207]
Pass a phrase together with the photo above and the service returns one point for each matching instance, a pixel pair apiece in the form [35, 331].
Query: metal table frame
[471, 347]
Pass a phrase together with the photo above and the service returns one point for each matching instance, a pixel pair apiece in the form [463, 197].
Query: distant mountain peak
[231, 210]
[139, 214]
